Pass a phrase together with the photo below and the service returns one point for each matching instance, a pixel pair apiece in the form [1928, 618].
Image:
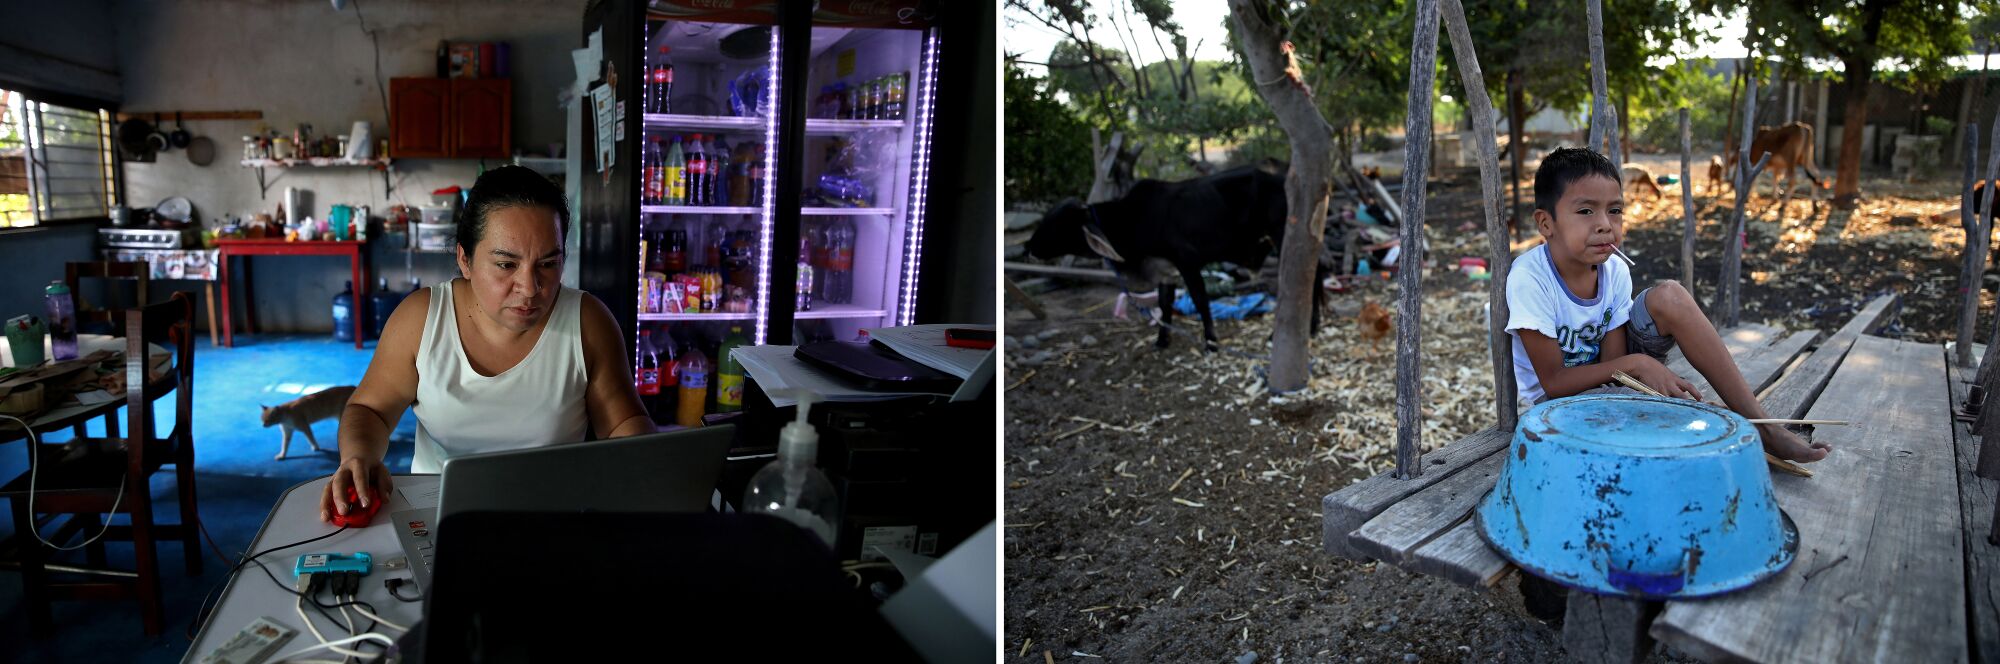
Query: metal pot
[180, 138]
[121, 216]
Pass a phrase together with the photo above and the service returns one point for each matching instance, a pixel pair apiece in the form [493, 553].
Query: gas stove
[149, 238]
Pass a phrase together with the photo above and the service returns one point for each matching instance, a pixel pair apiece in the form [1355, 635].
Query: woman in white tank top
[503, 357]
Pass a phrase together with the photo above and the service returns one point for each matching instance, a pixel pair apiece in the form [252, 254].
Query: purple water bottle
[62, 321]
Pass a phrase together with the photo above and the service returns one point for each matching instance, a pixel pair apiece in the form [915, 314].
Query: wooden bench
[1889, 567]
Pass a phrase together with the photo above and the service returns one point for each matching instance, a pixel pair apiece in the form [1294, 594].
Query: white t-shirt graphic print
[1537, 299]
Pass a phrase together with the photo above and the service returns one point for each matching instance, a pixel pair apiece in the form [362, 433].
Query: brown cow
[1790, 147]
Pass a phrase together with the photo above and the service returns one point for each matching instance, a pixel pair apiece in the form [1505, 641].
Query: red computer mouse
[356, 516]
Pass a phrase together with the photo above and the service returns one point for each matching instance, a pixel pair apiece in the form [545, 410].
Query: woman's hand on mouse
[368, 477]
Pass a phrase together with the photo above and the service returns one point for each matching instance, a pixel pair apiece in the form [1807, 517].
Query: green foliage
[1048, 146]
[1707, 99]
[1918, 35]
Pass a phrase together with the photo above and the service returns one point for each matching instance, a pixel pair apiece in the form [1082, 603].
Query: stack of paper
[926, 345]
[775, 369]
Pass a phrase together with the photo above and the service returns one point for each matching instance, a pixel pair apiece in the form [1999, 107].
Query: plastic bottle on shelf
[660, 86]
[697, 172]
[648, 379]
[721, 166]
[714, 242]
[62, 321]
[840, 263]
[818, 231]
[899, 87]
[803, 283]
[739, 174]
[654, 177]
[790, 487]
[729, 372]
[673, 175]
[693, 388]
[757, 176]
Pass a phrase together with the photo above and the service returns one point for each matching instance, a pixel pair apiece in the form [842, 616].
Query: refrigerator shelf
[678, 121]
[842, 311]
[682, 317]
[829, 127]
[698, 209]
[844, 212]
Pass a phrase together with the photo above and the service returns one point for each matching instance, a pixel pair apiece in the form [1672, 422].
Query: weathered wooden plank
[1742, 341]
[1461, 556]
[1880, 573]
[1602, 628]
[1982, 557]
[1396, 534]
[1747, 346]
[1345, 510]
[1796, 391]
[1766, 367]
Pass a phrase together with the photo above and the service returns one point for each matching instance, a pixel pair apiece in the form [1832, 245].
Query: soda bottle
[693, 388]
[675, 258]
[757, 177]
[878, 94]
[715, 242]
[673, 175]
[819, 233]
[62, 321]
[654, 179]
[729, 372]
[661, 84]
[840, 263]
[804, 281]
[649, 367]
[697, 172]
[739, 175]
[898, 87]
[719, 155]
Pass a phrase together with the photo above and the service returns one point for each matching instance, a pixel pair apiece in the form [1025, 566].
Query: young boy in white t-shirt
[1574, 319]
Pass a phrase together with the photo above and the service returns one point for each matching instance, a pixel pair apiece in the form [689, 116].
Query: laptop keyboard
[414, 529]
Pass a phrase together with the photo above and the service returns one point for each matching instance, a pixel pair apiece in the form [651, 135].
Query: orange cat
[299, 414]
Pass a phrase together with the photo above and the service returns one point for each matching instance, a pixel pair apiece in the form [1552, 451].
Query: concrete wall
[34, 257]
[301, 61]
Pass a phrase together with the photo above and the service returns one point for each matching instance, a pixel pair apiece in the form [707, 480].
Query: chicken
[1375, 322]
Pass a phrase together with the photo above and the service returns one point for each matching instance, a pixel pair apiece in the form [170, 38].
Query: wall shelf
[383, 164]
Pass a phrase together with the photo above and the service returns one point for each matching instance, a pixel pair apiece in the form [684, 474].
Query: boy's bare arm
[1560, 381]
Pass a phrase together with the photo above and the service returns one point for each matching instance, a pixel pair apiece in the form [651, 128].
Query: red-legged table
[279, 247]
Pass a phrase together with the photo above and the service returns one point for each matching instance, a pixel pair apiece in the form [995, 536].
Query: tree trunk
[1517, 114]
[1729, 288]
[1968, 268]
[1306, 188]
[1624, 140]
[1729, 132]
[1847, 182]
[1599, 96]
[1111, 166]
[1479, 108]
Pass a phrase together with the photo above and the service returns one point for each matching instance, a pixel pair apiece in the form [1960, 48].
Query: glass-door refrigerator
[754, 175]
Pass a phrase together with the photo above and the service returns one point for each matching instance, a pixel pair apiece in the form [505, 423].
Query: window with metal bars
[55, 162]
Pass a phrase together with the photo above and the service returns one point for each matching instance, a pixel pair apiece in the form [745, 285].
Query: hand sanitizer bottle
[790, 487]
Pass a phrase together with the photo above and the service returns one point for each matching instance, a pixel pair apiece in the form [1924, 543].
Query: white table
[251, 595]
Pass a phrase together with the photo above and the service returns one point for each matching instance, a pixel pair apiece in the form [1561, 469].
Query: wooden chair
[91, 319]
[87, 478]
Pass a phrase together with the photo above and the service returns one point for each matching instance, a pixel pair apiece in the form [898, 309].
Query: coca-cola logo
[660, 76]
[870, 8]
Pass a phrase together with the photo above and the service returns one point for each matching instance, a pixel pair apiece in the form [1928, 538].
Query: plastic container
[343, 315]
[1638, 496]
[790, 487]
[436, 237]
[729, 372]
[62, 321]
[381, 303]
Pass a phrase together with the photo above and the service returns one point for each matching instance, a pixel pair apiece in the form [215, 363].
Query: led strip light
[914, 245]
[770, 197]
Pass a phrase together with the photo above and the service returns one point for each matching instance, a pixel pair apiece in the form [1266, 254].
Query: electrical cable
[34, 468]
[371, 616]
[393, 584]
[335, 645]
[201, 610]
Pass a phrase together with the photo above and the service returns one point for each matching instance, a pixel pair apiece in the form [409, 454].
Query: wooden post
[1968, 271]
[1602, 628]
[1687, 206]
[1307, 186]
[1410, 268]
[1989, 447]
[1599, 97]
[1614, 148]
[1729, 289]
[1505, 400]
[1026, 300]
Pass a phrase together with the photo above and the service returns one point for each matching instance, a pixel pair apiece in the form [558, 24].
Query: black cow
[1236, 216]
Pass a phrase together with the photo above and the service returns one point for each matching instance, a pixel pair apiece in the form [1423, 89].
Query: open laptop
[657, 473]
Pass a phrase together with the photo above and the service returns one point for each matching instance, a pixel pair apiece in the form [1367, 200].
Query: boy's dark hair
[1565, 166]
[505, 187]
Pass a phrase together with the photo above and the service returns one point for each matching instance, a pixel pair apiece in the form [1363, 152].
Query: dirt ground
[1161, 506]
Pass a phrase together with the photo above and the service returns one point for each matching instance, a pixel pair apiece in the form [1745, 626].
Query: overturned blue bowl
[1638, 496]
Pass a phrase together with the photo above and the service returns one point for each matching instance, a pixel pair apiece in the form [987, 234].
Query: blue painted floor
[237, 483]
